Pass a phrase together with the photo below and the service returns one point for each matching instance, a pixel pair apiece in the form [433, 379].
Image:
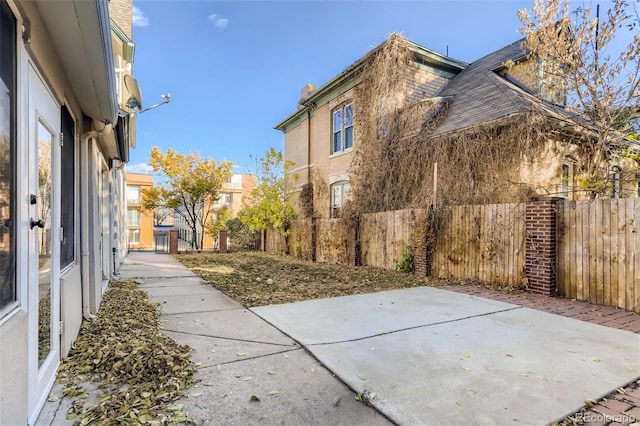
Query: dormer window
[550, 86]
[342, 135]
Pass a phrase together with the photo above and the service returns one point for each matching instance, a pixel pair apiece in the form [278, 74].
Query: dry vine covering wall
[396, 147]
[301, 238]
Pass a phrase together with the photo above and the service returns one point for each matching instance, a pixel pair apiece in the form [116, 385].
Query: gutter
[351, 70]
[84, 216]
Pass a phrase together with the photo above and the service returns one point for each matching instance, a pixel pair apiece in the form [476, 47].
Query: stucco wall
[70, 307]
[13, 371]
[296, 151]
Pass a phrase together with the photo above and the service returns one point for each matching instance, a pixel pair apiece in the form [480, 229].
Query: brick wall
[541, 240]
[173, 241]
[421, 84]
[121, 11]
[222, 241]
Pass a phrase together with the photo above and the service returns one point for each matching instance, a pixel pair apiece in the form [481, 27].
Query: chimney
[306, 91]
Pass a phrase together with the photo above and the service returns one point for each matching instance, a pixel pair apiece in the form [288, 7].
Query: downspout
[309, 146]
[84, 215]
[313, 218]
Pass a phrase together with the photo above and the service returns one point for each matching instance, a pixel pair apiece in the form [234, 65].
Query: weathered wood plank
[605, 260]
[623, 265]
[562, 249]
[581, 283]
[592, 272]
[583, 211]
[633, 292]
[574, 256]
[614, 233]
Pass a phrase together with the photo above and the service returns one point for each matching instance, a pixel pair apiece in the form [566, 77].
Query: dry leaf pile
[139, 370]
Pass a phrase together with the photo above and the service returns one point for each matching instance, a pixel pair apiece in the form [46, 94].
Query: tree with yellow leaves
[270, 205]
[190, 190]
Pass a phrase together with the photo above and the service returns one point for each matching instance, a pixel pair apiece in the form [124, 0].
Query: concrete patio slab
[460, 362]
[214, 351]
[293, 388]
[354, 317]
[226, 324]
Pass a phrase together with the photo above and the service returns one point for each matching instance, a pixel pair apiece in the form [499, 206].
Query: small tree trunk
[194, 239]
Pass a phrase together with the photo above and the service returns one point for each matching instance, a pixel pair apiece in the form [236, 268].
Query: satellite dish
[135, 100]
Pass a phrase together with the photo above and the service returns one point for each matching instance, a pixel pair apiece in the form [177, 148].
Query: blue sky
[234, 69]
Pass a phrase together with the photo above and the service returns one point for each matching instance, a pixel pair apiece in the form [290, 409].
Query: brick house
[319, 136]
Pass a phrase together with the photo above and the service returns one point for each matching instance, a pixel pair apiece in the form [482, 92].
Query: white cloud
[139, 18]
[219, 21]
[142, 168]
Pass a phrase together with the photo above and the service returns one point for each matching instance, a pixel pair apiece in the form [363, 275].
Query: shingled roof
[481, 95]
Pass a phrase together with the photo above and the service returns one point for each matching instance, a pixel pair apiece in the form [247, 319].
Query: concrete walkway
[239, 355]
[420, 356]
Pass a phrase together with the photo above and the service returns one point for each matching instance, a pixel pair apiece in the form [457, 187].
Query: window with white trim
[342, 125]
[67, 197]
[133, 194]
[8, 168]
[133, 217]
[134, 236]
[616, 185]
[566, 185]
[339, 196]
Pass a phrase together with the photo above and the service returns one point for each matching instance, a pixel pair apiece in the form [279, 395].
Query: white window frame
[339, 146]
[616, 182]
[566, 179]
[131, 200]
[339, 193]
[129, 221]
[20, 285]
[134, 232]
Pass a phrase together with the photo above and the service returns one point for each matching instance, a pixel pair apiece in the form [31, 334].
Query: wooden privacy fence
[384, 236]
[599, 252]
[585, 250]
[486, 242]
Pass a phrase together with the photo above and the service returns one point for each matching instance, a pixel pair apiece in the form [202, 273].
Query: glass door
[44, 256]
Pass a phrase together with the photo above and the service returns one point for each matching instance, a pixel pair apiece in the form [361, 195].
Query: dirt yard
[258, 279]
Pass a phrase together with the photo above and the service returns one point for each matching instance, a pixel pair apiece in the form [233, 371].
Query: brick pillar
[419, 257]
[173, 241]
[541, 240]
[222, 241]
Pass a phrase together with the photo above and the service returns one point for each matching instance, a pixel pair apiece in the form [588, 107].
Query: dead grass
[243, 277]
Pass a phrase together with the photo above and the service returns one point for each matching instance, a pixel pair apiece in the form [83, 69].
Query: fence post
[314, 238]
[353, 243]
[222, 241]
[173, 241]
[419, 228]
[541, 241]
